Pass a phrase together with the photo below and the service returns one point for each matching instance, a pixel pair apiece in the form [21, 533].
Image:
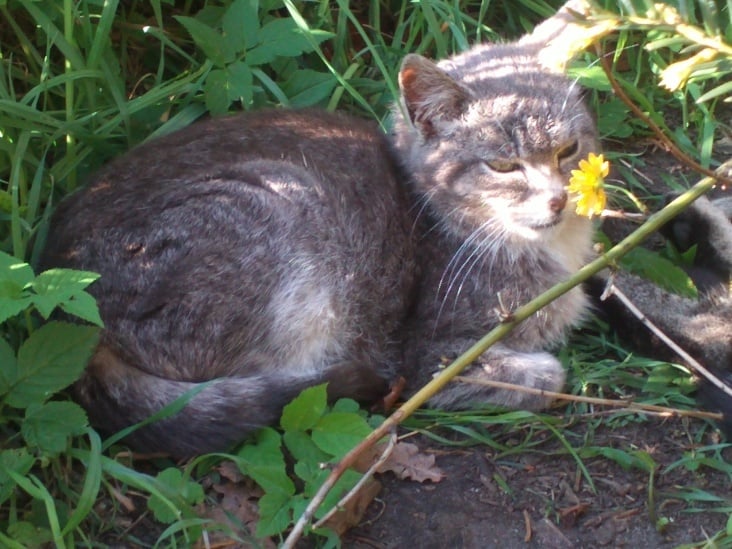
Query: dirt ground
[544, 501]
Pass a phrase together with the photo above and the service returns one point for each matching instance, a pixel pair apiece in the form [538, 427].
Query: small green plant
[314, 435]
[249, 51]
[38, 427]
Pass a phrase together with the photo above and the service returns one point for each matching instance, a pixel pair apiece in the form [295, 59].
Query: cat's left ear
[429, 94]
[574, 27]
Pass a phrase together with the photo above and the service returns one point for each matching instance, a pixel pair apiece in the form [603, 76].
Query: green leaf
[49, 426]
[216, 92]
[240, 83]
[303, 449]
[209, 40]
[29, 534]
[8, 367]
[346, 405]
[180, 489]
[627, 460]
[592, 77]
[308, 87]
[15, 270]
[15, 275]
[65, 288]
[52, 358]
[659, 270]
[275, 514]
[17, 460]
[306, 409]
[264, 462]
[240, 24]
[281, 37]
[339, 432]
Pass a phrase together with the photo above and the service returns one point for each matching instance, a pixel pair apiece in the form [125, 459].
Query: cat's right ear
[429, 94]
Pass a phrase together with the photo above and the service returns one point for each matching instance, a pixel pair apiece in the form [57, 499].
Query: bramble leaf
[305, 410]
[52, 358]
[48, 426]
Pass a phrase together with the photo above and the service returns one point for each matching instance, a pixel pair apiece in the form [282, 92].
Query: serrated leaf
[281, 37]
[17, 460]
[339, 432]
[48, 426]
[307, 87]
[65, 288]
[8, 367]
[265, 463]
[275, 514]
[659, 270]
[240, 24]
[83, 306]
[52, 358]
[216, 92]
[207, 39]
[306, 409]
[180, 489]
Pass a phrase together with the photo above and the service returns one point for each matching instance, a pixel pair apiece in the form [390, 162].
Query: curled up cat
[254, 255]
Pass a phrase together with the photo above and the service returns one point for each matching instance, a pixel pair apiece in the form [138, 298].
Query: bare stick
[629, 405]
[612, 289]
[370, 473]
[660, 134]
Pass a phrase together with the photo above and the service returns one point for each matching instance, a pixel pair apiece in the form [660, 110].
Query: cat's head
[490, 137]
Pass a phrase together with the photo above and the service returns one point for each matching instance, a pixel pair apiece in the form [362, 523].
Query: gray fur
[266, 252]
[703, 326]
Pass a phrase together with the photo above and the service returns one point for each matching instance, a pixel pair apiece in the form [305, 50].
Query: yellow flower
[587, 185]
[676, 75]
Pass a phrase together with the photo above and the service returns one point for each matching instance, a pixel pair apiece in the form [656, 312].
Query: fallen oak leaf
[407, 462]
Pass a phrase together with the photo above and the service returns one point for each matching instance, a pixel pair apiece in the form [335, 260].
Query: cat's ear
[568, 32]
[429, 94]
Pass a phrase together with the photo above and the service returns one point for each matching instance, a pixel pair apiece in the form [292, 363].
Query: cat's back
[278, 234]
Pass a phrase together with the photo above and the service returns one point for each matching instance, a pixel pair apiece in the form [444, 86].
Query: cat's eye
[568, 151]
[503, 166]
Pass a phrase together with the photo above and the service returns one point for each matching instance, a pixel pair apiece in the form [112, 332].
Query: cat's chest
[464, 291]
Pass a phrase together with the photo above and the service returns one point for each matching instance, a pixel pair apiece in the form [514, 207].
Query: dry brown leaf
[237, 506]
[355, 507]
[407, 462]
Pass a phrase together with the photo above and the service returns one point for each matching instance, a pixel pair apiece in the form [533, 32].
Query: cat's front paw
[536, 373]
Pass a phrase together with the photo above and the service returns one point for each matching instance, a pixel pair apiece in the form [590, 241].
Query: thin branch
[612, 289]
[660, 134]
[628, 405]
[653, 223]
[353, 491]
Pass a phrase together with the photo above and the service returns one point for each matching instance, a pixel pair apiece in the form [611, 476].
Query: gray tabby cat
[252, 256]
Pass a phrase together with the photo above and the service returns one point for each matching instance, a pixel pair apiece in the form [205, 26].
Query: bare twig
[612, 289]
[367, 475]
[660, 134]
[629, 405]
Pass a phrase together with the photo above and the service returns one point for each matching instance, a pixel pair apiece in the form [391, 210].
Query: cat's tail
[205, 417]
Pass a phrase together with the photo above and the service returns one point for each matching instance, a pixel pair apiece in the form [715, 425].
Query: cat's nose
[558, 202]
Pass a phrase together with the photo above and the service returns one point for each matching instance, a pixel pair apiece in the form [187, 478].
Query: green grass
[80, 82]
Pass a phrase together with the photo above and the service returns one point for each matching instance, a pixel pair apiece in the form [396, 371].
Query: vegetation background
[83, 80]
